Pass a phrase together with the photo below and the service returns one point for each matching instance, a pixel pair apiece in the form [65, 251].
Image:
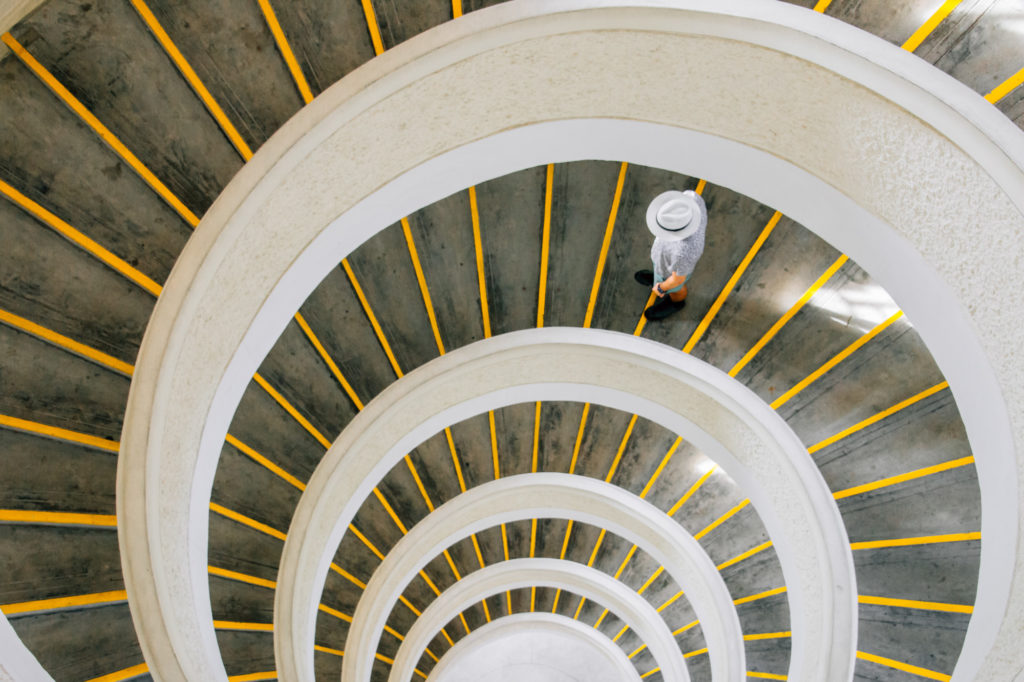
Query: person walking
[678, 221]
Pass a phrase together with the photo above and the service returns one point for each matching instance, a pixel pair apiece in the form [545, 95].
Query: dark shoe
[663, 307]
[645, 277]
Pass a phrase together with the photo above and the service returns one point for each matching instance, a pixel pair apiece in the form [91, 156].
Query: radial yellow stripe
[759, 595]
[432, 655]
[308, 331]
[57, 518]
[494, 445]
[487, 611]
[451, 565]
[579, 438]
[125, 674]
[622, 449]
[455, 459]
[579, 608]
[620, 633]
[391, 512]
[336, 613]
[76, 237]
[822, 5]
[422, 281]
[565, 540]
[642, 321]
[649, 673]
[600, 618]
[782, 321]
[478, 249]
[383, 658]
[419, 482]
[731, 284]
[328, 650]
[676, 633]
[654, 576]
[394, 633]
[104, 133]
[721, 519]
[286, 51]
[909, 476]
[914, 604]
[533, 599]
[420, 673]
[765, 676]
[671, 600]
[456, 9]
[241, 577]
[921, 540]
[536, 437]
[605, 243]
[689, 493]
[1006, 87]
[637, 650]
[842, 355]
[290, 409]
[746, 555]
[622, 566]
[905, 667]
[371, 24]
[246, 521]
[878, 417]
[348, 576]
[409, 605]
[264, 462]
[597, 547]
[58, 433]
[373, 318]
[533, 536]
[661, 467]
[193, 79]
[554, 602]
[476, 548]
[430, 583]
[545, 243]
[75, 601]
[236, 625]
[66, 343]
[254, 677]
[701, 185]
[447, 637]
[914, 41]
[698, 652]
[366, 541]
[465, 625]
[767, 635]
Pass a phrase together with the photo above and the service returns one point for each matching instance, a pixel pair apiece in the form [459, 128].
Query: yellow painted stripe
[767, 635]
[419, 482]
[649, 673]
[637, 650]
[456, 9]
[465, 625]
[348, 576]
[58, 433]
[421, 280]
[394, 633]
[420, 673]
[565, 540]
[241, 577]
[842, 355]
[504, 540]
[782, 321]
[235, 625]
[430, 583]
[193, 79]
[746, 555]
[409, 605]
[1006, 87]
[533, 536]
[545, 245]
[308, 331]
[478, 249]
[487, 611]
[92, 247]
[642, 321]
[914, 41]
[579, 608]
[621, 632]
[57, 518]
[759, 595]
[371, 24]
[671, 600]
[878, 417]
[286, 51]
[554, 602]
[451, 565]
[536, 438]
[254, 677]
[654, 576]
[76, 601]
[369, 314]
[909, 476]
[391, 512]
[328, 650]
[290, 409]
[600, 618]
[579, 438]
[905, 667]
[335, 612]
[661, 466]
[494, 445]
[366, 542]
[447, 637]
[921, 540]
[476, 548]
[689, 493]
[622, 566]
[455, 459]
[127, 673]
[698, 652]
[701, 185]
[432, 655]
[731, 284]
[533, 599]
[104, 133]
[822, 5]
[597, 546]
[765, 676]
[622, 449]
[263, 461]
[914, 604]
[676, 633]
[721, 519]
[385, 659]
[66, 343]
[246, 521]
[605, 243]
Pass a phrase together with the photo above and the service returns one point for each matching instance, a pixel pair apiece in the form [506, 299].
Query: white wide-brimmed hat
[675, 215]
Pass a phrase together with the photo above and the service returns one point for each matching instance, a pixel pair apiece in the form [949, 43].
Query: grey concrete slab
[715, 497]
[946, 572]
[103, 54]
[979, 44]
[52, 475]
[399, 21]
[647, 446]
[400, 490]
[243, 549]
[49, 281]
[353, 556]
[601, 440]
[246, 652]
[327, 666]
[741, 532]
[1013, 106]
[340, 593]
[514, 433]
[758, 573]
[241, 602]
[238, 476]
[865, 671]
[892, 22]
[433, 462]
[559, 424]
[53, 158]
[331, 632]
[79, 644]
[699, 668]
[768, 655]
[928, 639]
[43, 562]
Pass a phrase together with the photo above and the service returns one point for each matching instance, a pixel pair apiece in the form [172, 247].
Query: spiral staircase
[122, 122]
